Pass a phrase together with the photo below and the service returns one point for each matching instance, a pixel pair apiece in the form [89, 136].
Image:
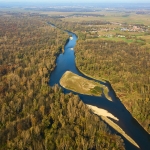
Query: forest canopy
[125, 66]
[33, 114]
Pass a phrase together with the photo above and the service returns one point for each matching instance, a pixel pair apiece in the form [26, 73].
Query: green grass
[138, 41]
[81, 85]
[117, 39]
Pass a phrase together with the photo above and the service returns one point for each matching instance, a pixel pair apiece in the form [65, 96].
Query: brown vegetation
[126, 66]
[33, 114]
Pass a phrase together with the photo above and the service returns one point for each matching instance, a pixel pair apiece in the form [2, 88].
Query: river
[65, 62]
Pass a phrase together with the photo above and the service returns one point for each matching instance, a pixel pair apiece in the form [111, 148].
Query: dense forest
[126, 66]
[33, 114]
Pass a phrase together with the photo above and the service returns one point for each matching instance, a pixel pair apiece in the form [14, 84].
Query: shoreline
[61, 82]
[104, 114]
[116, 97]
[104, 86]
[104, 118]
[101, 80]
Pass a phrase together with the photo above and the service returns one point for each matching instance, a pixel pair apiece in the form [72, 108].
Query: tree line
[126, 66]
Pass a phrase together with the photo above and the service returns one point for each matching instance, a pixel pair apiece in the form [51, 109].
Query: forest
[33, 114]
[126, 66]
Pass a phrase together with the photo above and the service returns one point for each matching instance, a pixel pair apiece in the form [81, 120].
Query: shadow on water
[65, 62]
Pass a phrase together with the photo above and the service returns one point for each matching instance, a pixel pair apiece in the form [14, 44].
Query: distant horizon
[77, 1]
[46, 2]
[88, 3]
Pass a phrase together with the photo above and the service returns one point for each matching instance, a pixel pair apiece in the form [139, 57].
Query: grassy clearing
[81, 85]
[117, 39]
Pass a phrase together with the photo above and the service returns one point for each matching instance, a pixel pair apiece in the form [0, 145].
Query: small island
[71, 38]
[81, 85]
[78, 84]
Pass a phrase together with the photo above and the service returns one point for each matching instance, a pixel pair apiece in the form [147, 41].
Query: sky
[79, 1]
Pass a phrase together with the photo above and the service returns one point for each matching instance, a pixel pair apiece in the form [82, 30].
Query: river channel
[66, 62]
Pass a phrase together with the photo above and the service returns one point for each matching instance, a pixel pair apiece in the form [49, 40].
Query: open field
[79, 84]
[78, 15]
[112, 16]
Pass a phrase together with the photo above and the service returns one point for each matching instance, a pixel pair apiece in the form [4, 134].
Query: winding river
[65, 62]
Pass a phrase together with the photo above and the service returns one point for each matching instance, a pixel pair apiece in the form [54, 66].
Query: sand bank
[104, 114]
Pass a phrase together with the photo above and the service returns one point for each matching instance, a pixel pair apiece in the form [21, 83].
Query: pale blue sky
[79, 1]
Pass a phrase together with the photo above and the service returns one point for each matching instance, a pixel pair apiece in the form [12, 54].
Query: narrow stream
[65, 62]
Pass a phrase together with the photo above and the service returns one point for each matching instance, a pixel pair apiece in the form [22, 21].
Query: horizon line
[78, 2]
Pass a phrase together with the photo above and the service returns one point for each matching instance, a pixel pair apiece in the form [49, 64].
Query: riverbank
[111, 123]
[98, 79]
[66, 62]
[109, 98]
[105, 88]
[98, 111]
[104, 114]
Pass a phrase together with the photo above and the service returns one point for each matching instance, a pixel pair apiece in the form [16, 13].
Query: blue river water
[66, 62]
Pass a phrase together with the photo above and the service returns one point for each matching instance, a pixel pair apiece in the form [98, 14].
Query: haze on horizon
[77, 1]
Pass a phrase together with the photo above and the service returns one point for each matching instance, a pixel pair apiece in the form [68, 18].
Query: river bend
[65, 62]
